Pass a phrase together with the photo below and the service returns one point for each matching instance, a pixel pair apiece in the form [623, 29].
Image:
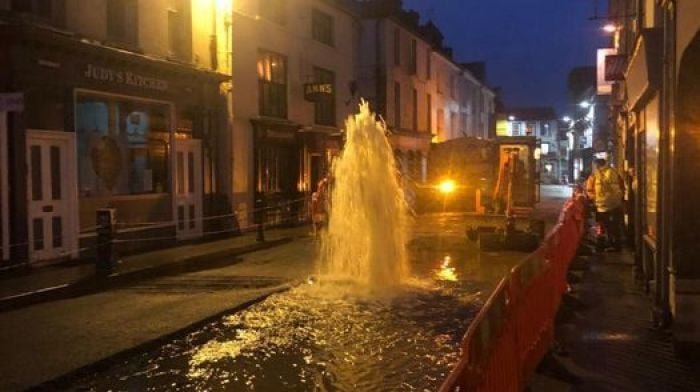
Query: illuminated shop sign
[109, 75]
[318, 91]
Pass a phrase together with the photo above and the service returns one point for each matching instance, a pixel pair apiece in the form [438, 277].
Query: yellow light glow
[447, 186]
[446, 272]
[610, 28]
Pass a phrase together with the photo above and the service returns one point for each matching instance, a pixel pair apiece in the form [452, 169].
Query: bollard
[105, 260]
[260, 218]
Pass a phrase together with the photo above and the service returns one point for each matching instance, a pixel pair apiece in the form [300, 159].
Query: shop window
[322, 29]
[122, 21]
[122, 146]
[272, 84]
[274, 11]
[325, 107]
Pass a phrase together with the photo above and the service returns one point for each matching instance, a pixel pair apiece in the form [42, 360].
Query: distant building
[125, 105]
[541, 123]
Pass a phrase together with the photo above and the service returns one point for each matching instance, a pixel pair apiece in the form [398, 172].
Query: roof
[532, 113]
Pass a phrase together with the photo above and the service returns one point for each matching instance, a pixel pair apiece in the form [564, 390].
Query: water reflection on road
[334, 336]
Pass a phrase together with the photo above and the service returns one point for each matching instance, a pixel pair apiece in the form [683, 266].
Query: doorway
[52, 195]
[188, 188]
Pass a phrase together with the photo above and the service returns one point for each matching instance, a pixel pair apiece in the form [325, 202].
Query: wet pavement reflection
[334, 336]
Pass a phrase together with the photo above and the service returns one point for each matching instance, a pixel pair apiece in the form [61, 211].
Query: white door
[188, 188]
[52, 194]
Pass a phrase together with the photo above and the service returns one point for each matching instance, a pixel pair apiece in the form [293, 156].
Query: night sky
[529, 45]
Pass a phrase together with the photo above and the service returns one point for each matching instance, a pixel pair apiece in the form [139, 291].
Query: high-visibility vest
[607, 189]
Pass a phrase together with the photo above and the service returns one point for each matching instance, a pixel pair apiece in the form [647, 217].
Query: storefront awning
[644, 72]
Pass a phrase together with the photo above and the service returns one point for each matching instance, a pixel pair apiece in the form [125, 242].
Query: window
[415, 109]
[274, 11]
[122, 145]
[397, 47]
[397, 105]
[40, 8]
[412, 66]
[176, 34]
[440, 124]
[428, 64]
[325, 108]
[530, 129]
[122, 21]
[272, 84]
[545, 130]
[429, 101]
[322, 27]
[515, 130]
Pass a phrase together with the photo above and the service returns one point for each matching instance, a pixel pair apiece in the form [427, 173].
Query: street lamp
[610, 28]
[566, 119]
[585, 104]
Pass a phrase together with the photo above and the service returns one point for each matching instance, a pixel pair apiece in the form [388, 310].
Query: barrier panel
[515, 327]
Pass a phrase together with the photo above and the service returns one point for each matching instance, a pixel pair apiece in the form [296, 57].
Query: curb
[63, 382]
[95, 284]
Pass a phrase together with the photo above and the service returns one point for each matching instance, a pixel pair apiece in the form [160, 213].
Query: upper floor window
[428, 63]
[272, 84]
[397, 105]
[413, 66]
[40, 8]
[322, 29]
[325, 108]
[177, 42]
[274, 10]
[122, 21]
[397, 47]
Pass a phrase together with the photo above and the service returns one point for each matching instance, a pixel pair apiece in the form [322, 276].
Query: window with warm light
[272, 84]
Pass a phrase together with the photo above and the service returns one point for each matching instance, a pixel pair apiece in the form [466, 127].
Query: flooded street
[334, 336]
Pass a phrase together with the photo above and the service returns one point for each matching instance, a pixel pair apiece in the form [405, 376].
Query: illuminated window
[122, 145]
[272, 84]
[325, 108]
[322, 27]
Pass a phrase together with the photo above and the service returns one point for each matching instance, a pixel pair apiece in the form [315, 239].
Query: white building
[411, 79]
[283, 141]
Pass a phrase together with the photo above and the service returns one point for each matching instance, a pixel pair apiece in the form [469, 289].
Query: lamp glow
[610, 28]
[447, 187]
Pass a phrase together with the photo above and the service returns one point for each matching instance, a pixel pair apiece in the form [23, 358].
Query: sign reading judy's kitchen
[108, 75]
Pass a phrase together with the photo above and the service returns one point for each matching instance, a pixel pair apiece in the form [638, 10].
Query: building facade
[542, 124]
[124, 105]
[654, 105]
[295, 82]
[413, 82]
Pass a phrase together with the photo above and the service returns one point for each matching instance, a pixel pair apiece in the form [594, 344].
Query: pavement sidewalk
[605, 337]
[52, 282]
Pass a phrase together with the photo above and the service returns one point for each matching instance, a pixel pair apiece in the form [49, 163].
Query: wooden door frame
[199, 189]
[69, 176]
[4, 187]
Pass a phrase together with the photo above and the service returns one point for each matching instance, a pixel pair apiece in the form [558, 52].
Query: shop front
[107, 129]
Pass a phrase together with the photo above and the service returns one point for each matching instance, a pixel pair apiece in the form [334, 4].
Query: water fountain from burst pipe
[368, 223]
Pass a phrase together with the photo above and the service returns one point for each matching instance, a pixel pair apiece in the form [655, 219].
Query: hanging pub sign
[315, 92]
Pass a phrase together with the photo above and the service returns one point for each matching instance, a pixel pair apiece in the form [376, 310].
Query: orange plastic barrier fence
[515, 328]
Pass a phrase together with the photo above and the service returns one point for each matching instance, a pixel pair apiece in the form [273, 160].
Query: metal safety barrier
[515, 328]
